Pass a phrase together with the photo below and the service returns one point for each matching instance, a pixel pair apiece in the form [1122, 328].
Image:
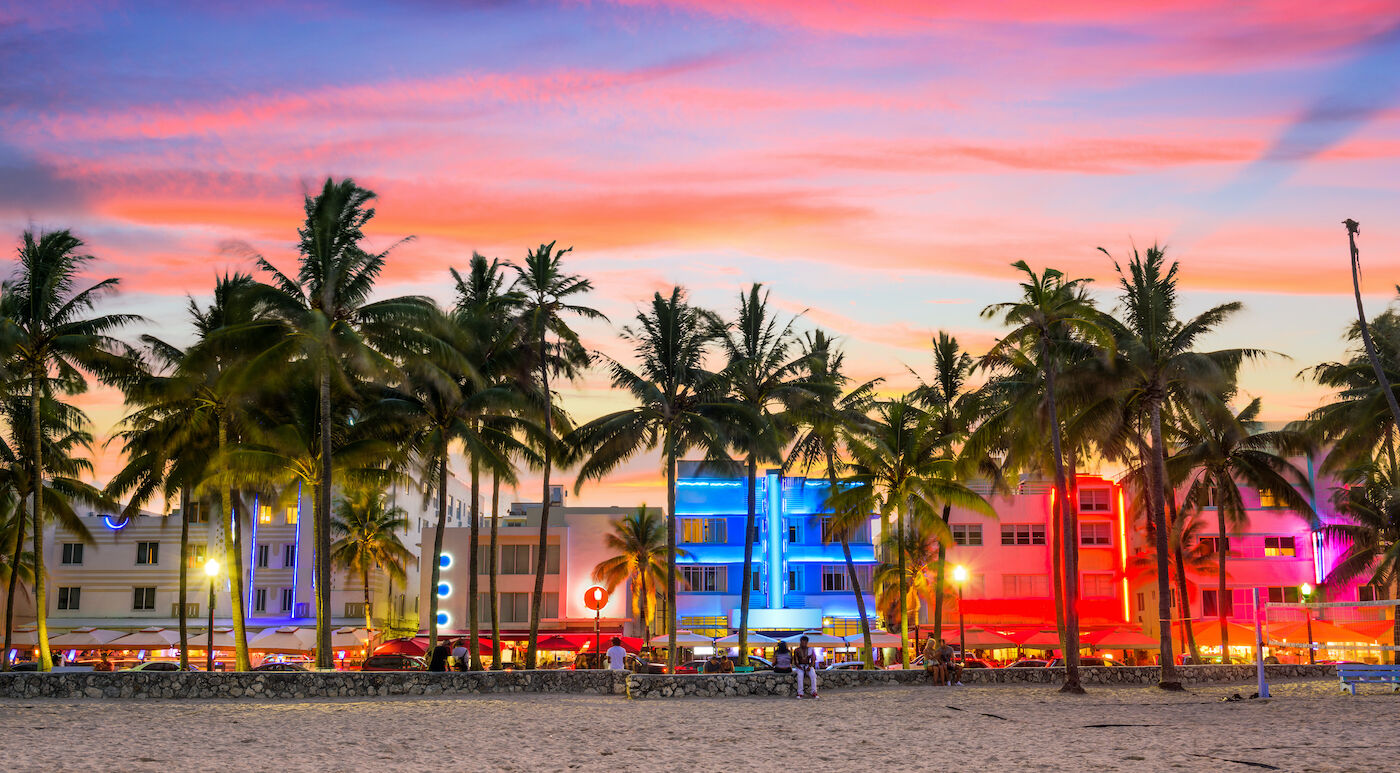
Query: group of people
[800, 660]
[939, 663]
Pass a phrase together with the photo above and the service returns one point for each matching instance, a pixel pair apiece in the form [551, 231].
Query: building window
[292, 513]
[698, 531]
[289, 555]
[72, 552]
[260, 599]
[704, 579]
[1022, 534]
[794, 533]
[1213, 544]
[288, 599]
[795, 584]
[197, 514]
[143, 599]
[1267, 498]
[834, 578]
[550, 607]
[265, 514]
[1371, 593]
[1210, 606]
[1094, 500]
[147, 552]
[1096, 585]
[515, 607]
[483, 559]
[515, 559]
[967, 534]
[70, 598]
[262, 556]
[1095, 534]
[860, 534]
[1285, 595]
[1020, 586]
[756, 582]
[1141, 602]
[195, 556]
[1280, 547]
[551, 559]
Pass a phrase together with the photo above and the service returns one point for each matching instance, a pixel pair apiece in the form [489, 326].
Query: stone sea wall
[356, 684]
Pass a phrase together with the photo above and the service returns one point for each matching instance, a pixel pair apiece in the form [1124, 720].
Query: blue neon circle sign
[445, 560]
[444, 590]
[443, 617]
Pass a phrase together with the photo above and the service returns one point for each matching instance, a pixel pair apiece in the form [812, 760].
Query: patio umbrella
[1041, 640]
[877, 639]
[1373, 630]
[406, 646]
[816, 639]
[755, 640]
[223, 639]
[981, 639]
[1207, 633]
[27, 636]
[683, 639]
[85, 638]
[153, 638]
[349, 638]
[287, 639]
[556, 643]
[1121, 639]
[1322, 631]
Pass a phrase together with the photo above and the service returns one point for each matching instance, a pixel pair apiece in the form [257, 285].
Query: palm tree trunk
[749, 523]
[437, 548]
[538, 596]
[41, 612]
[1352, 227]
[491, 569]
[1071, 552]
[322, 529]
[233, 560]
[906, 655]
[184, 577]
[1179, 558]
[1394, 626]
[938, 578]
[644, 600]
[20, 514]
[868, 653]
[671, 653]
[1221, 549]
[1156, 501]
[364, 583]
[474, 569]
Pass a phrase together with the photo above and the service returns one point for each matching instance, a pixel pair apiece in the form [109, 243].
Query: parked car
[692, 666]
[394, 663]
[282, 667]
[852, 665]
[1084, 660]
[638, 666]
[1029, 663]
[158, 665]
[977, 663]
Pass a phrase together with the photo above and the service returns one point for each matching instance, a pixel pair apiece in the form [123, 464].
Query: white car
[158, 666]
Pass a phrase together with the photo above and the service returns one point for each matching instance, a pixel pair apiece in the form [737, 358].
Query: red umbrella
[557, 643]
[1041, 640]
[415, 646]
[1120, 639]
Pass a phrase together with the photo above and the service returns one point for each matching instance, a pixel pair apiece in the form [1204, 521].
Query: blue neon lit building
[800, 579]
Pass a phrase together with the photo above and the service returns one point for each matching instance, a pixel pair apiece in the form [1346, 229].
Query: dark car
[1083, 661]
[159, 665]
[25, 665]
[393, 663]
[638, 666]
[1030, 663]
[282, 667]
[977, 663]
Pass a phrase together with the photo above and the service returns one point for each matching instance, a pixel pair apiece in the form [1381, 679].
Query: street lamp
[211, 568]
[1306, 589]
[960, 577]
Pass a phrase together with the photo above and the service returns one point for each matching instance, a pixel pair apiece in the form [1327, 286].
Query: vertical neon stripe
[252, 556]
[777, 536]
[1123, 551]
[297, 563]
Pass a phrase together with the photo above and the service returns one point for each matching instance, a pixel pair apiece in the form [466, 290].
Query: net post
[1259, 645]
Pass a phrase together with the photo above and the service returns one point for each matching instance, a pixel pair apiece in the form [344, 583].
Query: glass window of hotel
[515, 607]
[834, 578]
[483, 559]
[550, 606]
[143, 598]
[292, 513]
[148, 552]
[829, 535]
[69, 598]
[197, 513]
[1372, 593]
[195, 555]
[1210, 606]
[756, 581]
[1017, 586]
[289, 555]
[1096, 585]
[551, 560]
[1095, 534]
[264, 513]
[1022, 534]
[72, 552]
[288, 598]
[702, 530]
[1094, 500]
[260, 599]
[795, 580]
[1212, 544]
[1267, 498]
[262, 556]
[1280, 547]
[794, 533]
[967, 534]
[1285, 595]
[704, 579]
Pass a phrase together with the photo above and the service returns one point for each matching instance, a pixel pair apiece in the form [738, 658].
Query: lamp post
[1306, 589]
[211, 569]
[595, 598]
[960, 577]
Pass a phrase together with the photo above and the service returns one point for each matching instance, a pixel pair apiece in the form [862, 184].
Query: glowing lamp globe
[211, 567]
[959, 574]
[595, 598]
[1306, 589]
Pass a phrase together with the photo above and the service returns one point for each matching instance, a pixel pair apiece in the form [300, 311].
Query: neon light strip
[297, 563]
[252, 557]
[115, 526]
[777, 537]
[1123, 552]
[711, 483]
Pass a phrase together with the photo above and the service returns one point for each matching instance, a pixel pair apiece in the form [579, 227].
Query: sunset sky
[877, 164]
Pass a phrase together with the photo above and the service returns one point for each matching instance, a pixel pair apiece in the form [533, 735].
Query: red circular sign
[595, 598]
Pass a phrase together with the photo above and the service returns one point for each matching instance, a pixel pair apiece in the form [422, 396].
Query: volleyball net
[1345, 630]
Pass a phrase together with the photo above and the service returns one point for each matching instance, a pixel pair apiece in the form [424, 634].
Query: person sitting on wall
[952, 670]
[726, 666]
[933, 665]
[782, 659]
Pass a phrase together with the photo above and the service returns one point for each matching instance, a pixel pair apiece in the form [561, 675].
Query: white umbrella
[223, 639]
[288, 638]
[85, 638]
[154, 638]
[755, 640]
[25, 637]
[816, 639]
[349, 638]
[877, 639]
[683, 639]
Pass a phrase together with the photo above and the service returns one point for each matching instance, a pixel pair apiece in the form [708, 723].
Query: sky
[877, 165]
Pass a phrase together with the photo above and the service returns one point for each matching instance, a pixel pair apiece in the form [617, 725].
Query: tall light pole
[960, 577]
[211, 568]
[1307, 590]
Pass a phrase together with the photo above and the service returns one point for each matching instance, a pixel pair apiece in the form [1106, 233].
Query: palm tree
[900, 587]
[639, 543]
[1221, 450]
[367, 530]
[44, 318]
[328, 322]
[900, 474]
[679, 403]
[546, 291]
[1188, 551]
[1052, 309]
[1357, 423]
[826, 421]
[1371, 354]
[1370, 534]
[763, 379]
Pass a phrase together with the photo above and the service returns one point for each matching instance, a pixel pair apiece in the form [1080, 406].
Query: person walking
[617, 656]
[804, 659]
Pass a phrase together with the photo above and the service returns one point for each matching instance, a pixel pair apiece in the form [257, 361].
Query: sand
[1307, 726]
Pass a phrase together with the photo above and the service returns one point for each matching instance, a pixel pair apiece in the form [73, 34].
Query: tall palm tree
[1220, 451]
[546, 293]
[639, 544]
[901, 587]
[1053, 308]
[1371, 354]
[901, 475]
[1369, 503]
[826, 420]
[367, 539]
[45, 318]
[1188, 552]
[763, 379]
[1357, 423]
[679, 407]
[328, 321]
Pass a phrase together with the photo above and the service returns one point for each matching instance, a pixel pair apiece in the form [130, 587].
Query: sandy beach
[1307, 726]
